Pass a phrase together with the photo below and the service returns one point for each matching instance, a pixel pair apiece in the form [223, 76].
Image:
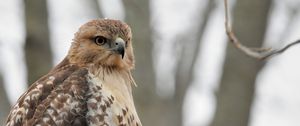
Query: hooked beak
[119, 46]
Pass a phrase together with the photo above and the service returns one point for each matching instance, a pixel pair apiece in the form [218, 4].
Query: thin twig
[258, 53]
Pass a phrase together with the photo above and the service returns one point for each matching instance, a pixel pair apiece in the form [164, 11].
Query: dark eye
[100, 40]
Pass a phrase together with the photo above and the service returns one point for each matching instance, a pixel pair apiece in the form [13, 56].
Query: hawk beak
[119, 47]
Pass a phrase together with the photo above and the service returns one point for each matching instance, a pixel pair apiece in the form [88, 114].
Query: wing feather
[66, 103]
[57, 98]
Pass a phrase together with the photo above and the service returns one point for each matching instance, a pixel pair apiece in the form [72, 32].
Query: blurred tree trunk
[186, 63]
[153, 110]
[236, 91]
[37, 46]
[138, 17]
[95, 7]
[4, 104]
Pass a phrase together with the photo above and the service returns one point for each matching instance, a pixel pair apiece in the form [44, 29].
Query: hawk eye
[100, 40]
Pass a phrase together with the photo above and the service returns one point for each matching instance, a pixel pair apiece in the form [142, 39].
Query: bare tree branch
[258, 53]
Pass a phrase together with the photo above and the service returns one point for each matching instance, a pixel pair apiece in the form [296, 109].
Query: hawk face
[103, 42]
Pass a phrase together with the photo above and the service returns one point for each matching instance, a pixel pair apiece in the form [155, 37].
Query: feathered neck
[110, 72]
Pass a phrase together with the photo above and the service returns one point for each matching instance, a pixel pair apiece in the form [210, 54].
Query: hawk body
[91, 86]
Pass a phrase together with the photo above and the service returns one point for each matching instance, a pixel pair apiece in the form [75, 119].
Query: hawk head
[103, 42]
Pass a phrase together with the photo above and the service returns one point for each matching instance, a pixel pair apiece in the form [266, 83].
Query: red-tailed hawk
[91, 86]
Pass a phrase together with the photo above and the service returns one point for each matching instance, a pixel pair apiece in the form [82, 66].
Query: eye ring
[100, 40]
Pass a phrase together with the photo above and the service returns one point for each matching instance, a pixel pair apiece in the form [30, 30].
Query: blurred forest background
[186, 72]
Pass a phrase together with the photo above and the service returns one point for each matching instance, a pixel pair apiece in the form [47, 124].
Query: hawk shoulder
[57, 98]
